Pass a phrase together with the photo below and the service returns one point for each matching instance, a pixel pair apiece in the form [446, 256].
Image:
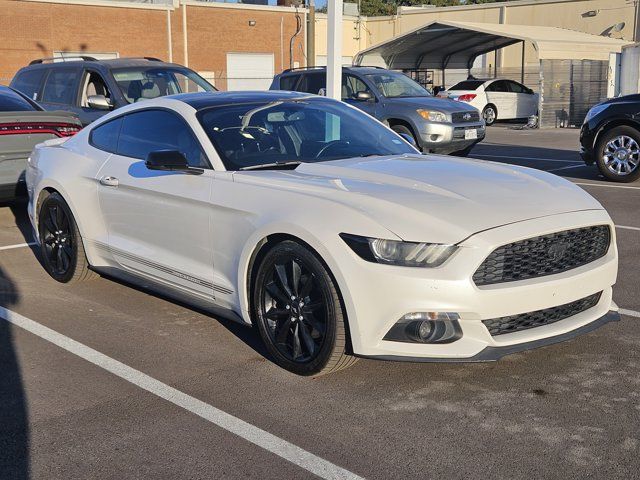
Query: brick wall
[31, 30]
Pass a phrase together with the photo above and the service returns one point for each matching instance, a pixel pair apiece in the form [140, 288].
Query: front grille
[459, 117]
[525, 321]
[544, 255]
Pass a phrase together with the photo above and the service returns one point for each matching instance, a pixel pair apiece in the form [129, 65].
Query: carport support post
[334, 49]
[522, 65]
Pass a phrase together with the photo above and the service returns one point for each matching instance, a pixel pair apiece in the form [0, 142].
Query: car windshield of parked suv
[289, 132]
[467, 85]
[397, 85]
[11, 101]
[138, 84]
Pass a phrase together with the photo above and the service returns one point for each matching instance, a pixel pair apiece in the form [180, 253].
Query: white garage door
[249, 71]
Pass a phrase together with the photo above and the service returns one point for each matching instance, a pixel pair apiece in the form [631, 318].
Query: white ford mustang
[324, 229]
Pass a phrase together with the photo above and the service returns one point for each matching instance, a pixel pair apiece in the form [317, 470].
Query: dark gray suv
[436, 124]
[90, 88]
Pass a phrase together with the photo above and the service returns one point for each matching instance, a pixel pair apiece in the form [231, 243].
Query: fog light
[426, 327]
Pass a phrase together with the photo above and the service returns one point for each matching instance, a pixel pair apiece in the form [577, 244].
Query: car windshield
[11, 101]
[397, 85]
[467, 85]
[290, 132]
[138, 84]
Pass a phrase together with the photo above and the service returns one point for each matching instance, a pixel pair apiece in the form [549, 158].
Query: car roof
[354, 69]
[202, 100]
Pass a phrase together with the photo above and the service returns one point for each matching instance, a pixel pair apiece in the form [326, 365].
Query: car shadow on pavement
[14, 426]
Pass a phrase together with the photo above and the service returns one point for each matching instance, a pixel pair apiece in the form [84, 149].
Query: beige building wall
[570, 14]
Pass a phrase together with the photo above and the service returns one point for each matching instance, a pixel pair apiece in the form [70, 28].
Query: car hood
[432, 198]
[445, 105]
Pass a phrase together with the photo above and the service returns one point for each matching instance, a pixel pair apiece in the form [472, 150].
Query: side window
[288, 82]
[498, 86]
[105, 136]
[60, 87]
[150, 130]
[93, 84]
[29, 82]
[515, 87]
[312, 83]
[351, 86]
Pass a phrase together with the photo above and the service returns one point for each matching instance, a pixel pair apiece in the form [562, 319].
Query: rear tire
[63, 254]
[618, 154]
[298, 311]
[490, 114]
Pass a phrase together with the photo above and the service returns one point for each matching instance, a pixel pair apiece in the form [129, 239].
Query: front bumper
[448, 137]
[379, 295]
[492, 354]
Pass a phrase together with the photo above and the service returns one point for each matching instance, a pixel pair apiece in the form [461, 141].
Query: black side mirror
[364, 96]
[409, 139]
[171, 161]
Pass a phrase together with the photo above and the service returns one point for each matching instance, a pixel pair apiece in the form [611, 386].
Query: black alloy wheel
[298, 311]
[61, 246]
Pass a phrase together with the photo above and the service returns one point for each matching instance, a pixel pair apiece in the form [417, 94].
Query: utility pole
[334, 49]
[311, 34]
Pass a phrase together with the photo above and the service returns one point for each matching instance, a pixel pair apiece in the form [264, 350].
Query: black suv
[90, 88]
[610, 138]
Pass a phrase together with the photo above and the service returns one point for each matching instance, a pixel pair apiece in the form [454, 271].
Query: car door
[498, 94]
[526, 100]
[158, 222]
[60, 91]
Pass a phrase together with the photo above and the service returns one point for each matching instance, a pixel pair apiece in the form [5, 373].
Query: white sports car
[324, 229]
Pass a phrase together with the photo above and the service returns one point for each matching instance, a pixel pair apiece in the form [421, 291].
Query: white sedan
[324, 229]
[499, 98]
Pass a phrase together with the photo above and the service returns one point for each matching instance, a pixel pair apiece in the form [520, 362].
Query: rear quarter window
[105, 136]
[60, 87]
[288, 82]
[29, 82]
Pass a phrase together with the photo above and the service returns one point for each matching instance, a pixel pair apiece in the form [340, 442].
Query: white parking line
[524, 158]
[624, 227]
[18, 245]
[288, 451]
[565, 168]
[630, 313]
[607, 185]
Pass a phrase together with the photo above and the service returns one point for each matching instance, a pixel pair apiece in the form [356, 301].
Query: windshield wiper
[274, 165]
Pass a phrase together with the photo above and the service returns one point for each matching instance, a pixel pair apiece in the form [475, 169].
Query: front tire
[61, 246]
[490, 114]
[618, 154]
[403, 129]
[297, 310]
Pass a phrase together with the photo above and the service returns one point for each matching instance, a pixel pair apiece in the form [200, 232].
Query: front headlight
[595, 110]
[394, 252]
[432, 115]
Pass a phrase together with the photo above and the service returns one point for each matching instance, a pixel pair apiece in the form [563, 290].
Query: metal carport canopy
[446, 44]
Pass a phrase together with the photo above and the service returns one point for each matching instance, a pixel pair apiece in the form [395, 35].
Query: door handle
[109, 181]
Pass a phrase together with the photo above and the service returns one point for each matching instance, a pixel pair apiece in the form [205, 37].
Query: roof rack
[287, 70]
[86, 58]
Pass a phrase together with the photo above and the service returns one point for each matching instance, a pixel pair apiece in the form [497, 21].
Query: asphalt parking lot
[145, 389]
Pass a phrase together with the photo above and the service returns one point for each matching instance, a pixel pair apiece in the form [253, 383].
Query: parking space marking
[607, 185]
[566, 168]
[18, 245]
[525, 158]
[625, 227]
[263, 439]
[630, 313]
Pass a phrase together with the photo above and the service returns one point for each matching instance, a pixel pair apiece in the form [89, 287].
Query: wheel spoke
[281, 275]
[307, 285]
[277, 313]
[309, 344]
[297, 351]
[295, 277]
[282, 330]
[276, 293]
